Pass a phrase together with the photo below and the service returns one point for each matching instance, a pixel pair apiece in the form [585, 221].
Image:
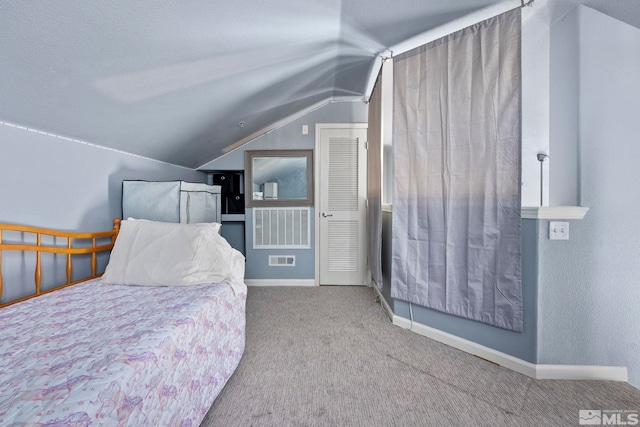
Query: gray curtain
[456, 201]
[374, 182]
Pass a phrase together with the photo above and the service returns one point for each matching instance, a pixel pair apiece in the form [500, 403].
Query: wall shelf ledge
[553, 212]
[232, 217]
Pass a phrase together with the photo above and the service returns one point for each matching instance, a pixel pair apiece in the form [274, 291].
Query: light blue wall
[563, 112]
[54, 183]
[287, 137]
[589, 306]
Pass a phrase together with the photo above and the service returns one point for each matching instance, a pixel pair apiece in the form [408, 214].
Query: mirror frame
[249, 155]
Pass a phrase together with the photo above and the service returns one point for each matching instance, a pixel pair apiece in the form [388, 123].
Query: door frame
[316, 190]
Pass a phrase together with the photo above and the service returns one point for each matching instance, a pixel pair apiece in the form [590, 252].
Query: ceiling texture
[179, 81]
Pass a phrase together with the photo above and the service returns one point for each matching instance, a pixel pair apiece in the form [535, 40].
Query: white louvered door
[342, 210]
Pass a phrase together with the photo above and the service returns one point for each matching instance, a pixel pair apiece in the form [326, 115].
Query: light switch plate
[558, 230]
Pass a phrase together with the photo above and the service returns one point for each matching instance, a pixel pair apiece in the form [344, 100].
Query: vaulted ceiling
[173, 80]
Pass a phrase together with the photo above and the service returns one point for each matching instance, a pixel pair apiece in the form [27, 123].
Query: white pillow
[150, 253]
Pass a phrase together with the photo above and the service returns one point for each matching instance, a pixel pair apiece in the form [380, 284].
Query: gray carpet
[329, 356]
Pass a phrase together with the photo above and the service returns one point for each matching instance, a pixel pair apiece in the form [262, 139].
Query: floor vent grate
[282, 260]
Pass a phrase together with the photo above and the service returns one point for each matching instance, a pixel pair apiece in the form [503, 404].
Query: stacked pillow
[150, 253]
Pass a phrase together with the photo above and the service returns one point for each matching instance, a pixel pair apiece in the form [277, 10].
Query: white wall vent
[282, 260]
[281, 228]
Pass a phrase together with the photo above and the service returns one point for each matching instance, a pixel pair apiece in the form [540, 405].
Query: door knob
[324, 214]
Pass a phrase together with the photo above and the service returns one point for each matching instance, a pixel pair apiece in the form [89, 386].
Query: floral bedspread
[96, 354]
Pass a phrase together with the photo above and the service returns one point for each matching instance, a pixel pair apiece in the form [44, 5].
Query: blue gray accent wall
[257, 266]
[521, 345]
[589, 306]
[287, 137]
[233, 231]
[56, 183]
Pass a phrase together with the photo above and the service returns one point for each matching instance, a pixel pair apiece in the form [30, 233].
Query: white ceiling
[171, 80]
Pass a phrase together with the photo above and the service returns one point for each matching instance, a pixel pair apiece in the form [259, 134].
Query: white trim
[553, 212]
[383, 301]
[374, 71]
[438, 32]
[280, 282]
[538, 212]
[559, 372]
[581, 372]
[306, 209]
[283, 122]
[451, 27]
[502, 359]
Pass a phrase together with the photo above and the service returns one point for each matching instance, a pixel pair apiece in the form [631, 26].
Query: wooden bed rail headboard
[38, 248]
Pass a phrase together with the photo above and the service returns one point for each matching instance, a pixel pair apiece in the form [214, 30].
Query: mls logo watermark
[592, 417]
[589, 417]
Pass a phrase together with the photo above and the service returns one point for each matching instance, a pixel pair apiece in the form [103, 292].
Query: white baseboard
[549, 372]
[502, 359]
[280, 282]
[581, 372]
[383, 301]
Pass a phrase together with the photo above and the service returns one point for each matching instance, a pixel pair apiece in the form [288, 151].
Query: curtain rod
[441, 31]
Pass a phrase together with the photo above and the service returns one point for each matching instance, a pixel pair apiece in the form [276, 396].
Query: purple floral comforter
[105, 355]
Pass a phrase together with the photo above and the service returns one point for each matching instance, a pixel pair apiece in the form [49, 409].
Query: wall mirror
[278, 178]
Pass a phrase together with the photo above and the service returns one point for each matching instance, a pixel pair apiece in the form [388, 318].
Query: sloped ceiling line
[90, 144]
[170, 81]
[283, 122]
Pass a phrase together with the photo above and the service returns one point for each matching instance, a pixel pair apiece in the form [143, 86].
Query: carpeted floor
[329, 356]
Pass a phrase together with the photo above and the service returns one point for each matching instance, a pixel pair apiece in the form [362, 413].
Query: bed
[101, 353]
